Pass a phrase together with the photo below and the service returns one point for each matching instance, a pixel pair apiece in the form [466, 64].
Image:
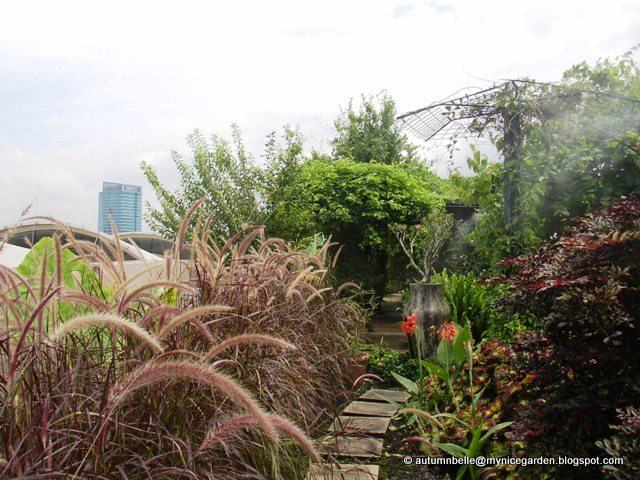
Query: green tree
[222, 173]
[489, 238]
[284, 159]
[235, 190]
[589, 153]
[576, 147]
[356, 203]
[371, 133]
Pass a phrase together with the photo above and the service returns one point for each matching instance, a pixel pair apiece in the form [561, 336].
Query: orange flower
[447, 331]
[409, 325]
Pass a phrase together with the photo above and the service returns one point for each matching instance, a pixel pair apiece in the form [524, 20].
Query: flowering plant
[455, 349]
[447, 332]
[409, 325]
[416, 389]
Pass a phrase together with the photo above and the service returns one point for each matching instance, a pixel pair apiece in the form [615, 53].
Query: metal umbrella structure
[454, 117]
[500, 110]
[446, 118]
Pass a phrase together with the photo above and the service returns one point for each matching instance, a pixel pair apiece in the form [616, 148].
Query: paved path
[386, 324]
[357, 435]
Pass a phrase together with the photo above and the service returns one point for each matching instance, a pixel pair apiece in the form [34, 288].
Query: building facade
[123, 204]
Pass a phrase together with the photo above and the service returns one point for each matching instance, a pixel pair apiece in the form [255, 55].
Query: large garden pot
[427, 301]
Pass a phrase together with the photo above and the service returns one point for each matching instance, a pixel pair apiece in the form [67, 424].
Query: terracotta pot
[427, 301]
[356, 371]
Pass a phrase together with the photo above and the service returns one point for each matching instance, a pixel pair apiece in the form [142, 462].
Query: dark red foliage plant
[583, 286]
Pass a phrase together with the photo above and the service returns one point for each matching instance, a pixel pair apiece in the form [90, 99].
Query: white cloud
[89, 89]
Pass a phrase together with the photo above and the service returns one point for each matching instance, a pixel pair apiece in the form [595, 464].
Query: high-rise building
[123, 203]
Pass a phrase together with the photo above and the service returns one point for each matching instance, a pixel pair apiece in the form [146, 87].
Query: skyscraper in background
[123, 203]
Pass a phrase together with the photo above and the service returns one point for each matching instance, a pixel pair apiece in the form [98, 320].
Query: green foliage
[372, 134]
[384, 361]
[355, 203]
[73, 272]
[580, 150]
[474, 429]
[284, 160]
[489, 238]
[589, 152]
[222, 173]
[47, 261]
[346, 194]
[505, 327]
[469, 300]
[477, 302]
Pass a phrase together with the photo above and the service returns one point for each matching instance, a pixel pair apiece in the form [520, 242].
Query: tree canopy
[373, 180]
[356, 203]
[221, 172]
[579, 149]
[371, 134]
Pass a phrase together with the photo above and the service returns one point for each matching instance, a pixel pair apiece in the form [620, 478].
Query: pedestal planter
[427, 301]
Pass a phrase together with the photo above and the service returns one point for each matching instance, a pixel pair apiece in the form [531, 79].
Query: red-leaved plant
[584, 288]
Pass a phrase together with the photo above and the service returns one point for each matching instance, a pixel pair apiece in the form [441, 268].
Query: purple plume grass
[217, 434]
[246, 339]
[107, 320]
[170, 370]
[189, 315]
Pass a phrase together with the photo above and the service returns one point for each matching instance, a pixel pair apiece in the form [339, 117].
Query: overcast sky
[88, 89]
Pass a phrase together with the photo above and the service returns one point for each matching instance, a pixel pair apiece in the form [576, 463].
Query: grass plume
[156, 372]
[107, 320]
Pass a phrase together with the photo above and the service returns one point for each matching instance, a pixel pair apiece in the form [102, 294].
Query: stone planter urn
[427, 301]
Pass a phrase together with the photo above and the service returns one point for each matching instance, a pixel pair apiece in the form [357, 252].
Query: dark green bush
[382, 361]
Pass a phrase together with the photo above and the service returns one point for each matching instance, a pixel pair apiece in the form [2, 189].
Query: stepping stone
[371, 409]
[360, 425]
[343, 471]
[355, 447]
[379, 395]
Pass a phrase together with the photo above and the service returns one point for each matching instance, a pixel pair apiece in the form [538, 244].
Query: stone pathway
[356, 434]
[386, 324]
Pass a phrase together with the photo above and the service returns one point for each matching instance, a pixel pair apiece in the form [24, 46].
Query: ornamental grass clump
[221, 369]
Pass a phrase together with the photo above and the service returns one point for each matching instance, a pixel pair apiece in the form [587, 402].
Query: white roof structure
[21, 237]
[11, 255]
[139, 262]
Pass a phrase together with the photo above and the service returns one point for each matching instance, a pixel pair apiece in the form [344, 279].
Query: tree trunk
[513, 221]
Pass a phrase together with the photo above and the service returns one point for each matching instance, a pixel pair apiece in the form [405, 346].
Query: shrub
[469, 300]
[505, 328]
[625, 444]
[583, 287]
[356, 203]
[383, 361]
[172, 378]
